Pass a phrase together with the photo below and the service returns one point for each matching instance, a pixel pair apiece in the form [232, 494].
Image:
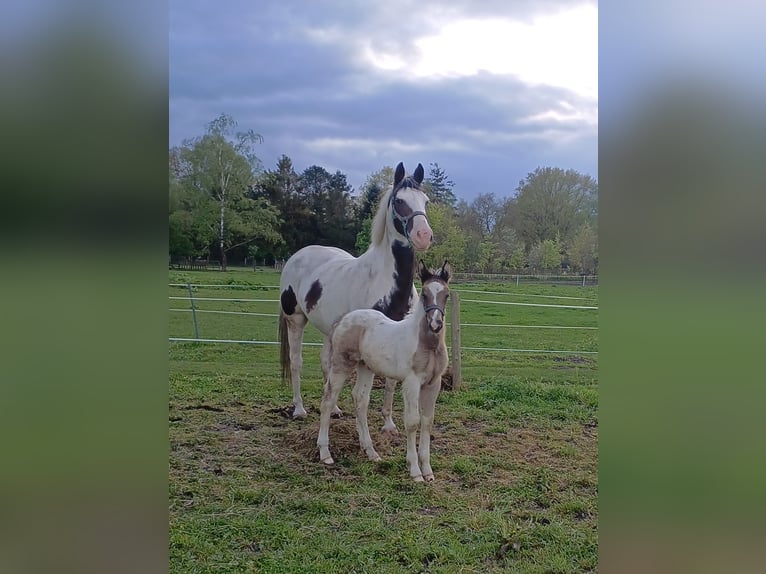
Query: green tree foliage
[216, 189]
[583, 253]
[368, 201]
[374, 187]
[282, 188]
[552, 200]
[546, 255]
[333, 220]
[439, 186]
[518, 259]
[449, 240]
[383, 179]
[364, 237]
[221, 166]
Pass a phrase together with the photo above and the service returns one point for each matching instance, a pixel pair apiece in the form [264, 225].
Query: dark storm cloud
[295, 74]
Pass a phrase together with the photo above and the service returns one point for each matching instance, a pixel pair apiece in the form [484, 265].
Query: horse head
[435, 293]
[407, 204]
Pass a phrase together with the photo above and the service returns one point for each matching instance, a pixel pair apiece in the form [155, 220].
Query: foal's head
[434, 294]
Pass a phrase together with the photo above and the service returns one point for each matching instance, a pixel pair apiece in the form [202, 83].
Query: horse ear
[418, 175]
[446, 271]
[399, 175]
[423, 272]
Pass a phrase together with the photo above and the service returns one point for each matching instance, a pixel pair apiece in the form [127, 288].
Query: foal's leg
[332, 388]
[411, 393]
[324, 357]
[388, 407]
[428, 394]
[295, 325]
[361, 394]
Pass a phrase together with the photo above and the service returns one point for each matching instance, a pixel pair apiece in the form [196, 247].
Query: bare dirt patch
[344, 440]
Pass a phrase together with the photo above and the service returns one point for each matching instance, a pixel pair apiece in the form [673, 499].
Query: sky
[488, 90]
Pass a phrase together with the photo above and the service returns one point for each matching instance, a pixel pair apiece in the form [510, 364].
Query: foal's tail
[284, 346]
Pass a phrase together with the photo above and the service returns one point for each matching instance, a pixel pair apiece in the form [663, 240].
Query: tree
[222, 164]
[449, 240]
[552, 201]
[282, 187]
[505, 244]
[383, 179]
[364, 236]
[333, 219]
[518, 258]
[439, 186]
[486, 208]
[368, 201]
[545, 255]
[373, 189]
[583, 253]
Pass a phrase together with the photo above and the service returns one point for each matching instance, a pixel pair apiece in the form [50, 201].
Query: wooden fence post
[457, 375]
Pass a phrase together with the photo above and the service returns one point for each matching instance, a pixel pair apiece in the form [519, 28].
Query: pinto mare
[320, 284]
[411, 350]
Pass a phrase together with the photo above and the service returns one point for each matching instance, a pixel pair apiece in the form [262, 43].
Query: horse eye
[399, 201]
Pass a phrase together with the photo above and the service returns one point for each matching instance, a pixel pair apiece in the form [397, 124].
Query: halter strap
[435, 307]
[404, 220]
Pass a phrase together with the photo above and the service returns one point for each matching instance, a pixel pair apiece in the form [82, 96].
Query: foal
[412, 351]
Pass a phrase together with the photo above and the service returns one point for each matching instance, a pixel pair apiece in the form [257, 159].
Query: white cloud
[559, 49]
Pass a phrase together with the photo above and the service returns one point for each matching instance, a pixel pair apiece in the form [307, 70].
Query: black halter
[435, 308]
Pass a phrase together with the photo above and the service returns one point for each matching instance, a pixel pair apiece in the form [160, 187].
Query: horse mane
[379, 221]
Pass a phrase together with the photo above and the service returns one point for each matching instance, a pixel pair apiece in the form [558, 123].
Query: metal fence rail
[456, 327]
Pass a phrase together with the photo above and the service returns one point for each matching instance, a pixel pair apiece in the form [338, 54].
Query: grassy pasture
[514, 451]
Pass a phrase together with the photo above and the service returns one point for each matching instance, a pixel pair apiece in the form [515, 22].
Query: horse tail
[284, 346]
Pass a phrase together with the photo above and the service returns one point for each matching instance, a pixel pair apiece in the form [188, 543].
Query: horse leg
[295, 326]
[361, 394]
[411, 394]
[428, 394]
[388, 407]
[324, 357]
[332, 388]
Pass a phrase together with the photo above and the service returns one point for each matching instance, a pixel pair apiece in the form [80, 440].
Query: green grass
[514, 451]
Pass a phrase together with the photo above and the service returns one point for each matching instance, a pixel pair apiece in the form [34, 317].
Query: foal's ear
[446, 272]
[399, 175]
[423, 271]
[418, 175]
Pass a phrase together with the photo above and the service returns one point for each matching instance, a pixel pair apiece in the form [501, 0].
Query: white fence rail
[198, 339]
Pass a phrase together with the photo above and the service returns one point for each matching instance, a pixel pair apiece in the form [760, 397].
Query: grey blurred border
[83, 414]
[682, 181]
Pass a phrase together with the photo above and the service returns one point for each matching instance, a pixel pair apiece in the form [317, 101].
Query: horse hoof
[418, 478]
[300, 413]
[376, 458]
[429, 477]
[328, 461]
[390, 431]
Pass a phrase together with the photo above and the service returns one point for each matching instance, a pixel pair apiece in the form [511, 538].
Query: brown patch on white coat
[412, 350]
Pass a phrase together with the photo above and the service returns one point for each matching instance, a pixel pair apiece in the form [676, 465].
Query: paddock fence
[459, 296]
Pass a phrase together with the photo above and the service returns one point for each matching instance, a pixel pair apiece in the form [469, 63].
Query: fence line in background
[521, 326]
[191, 340]
[228, 299]
[523, 304]
[448, 322]
[522, 294]
[229, 312]
[236, 300]
[454, 326]
[211, 286]
[305, 344]
[225, 285]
